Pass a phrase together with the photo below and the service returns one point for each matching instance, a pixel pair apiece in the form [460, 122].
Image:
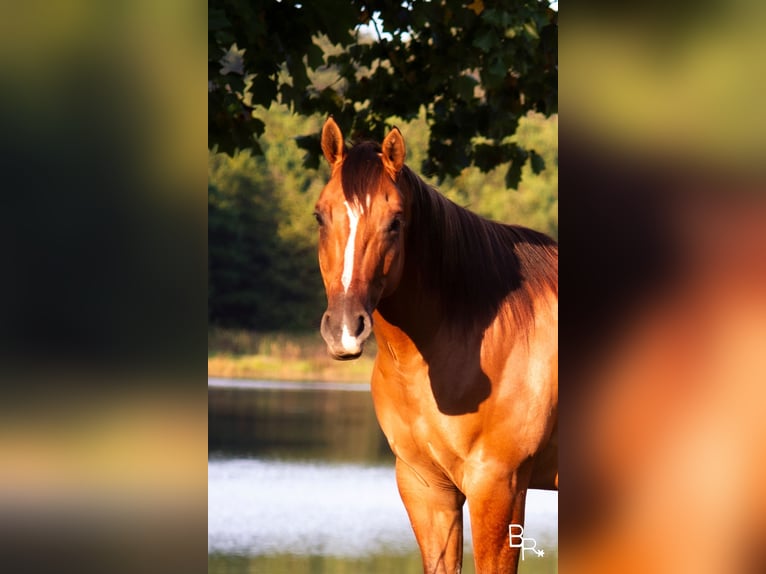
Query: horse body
[465, 315]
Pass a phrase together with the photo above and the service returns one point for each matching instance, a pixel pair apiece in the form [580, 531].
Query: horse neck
[409, 310]
[462, 272]
[417, 306]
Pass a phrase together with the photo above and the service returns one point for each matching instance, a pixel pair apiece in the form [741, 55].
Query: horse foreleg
[436, 515]
[494, 503]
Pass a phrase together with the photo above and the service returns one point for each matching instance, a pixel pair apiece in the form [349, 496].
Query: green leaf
[488, 156]
[537, 162]
[513, 175]
[464, 86]
[216, 19]
[497, 68]
[498, 18]
[315, 56]
[331, 101]
[308, 142]
[486, 40]
[313, 148]
[235, 83]
[531, 31]
[263, 90]
[257, 126]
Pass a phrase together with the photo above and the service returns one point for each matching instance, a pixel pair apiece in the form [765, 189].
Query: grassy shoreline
[243, 354]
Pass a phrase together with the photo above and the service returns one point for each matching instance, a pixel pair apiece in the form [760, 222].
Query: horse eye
[319, 219]
[395, 225]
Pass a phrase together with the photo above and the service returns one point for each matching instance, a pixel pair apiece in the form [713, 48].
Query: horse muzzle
[345, 328]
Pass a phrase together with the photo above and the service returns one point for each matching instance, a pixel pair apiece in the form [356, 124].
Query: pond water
[300, 479]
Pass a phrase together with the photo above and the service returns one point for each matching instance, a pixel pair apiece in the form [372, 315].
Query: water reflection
[301, 480]
[268, 507]
[321, 421]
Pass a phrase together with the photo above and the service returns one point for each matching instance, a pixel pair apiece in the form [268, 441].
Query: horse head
[362, 218]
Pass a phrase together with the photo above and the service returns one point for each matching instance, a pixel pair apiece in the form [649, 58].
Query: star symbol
[540, 552]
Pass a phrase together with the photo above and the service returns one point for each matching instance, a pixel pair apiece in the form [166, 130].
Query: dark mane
[476, 264]
[471, 264]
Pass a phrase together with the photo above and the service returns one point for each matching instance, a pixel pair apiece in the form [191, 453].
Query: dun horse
[464, 311]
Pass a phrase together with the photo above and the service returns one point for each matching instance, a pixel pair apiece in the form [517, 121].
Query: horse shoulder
[523, 368]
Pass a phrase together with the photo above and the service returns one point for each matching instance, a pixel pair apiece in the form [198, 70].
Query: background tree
[475, 69]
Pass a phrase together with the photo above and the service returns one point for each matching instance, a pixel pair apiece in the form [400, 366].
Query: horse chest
[417, 431]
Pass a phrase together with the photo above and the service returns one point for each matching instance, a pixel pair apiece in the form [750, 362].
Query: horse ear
[394, 150]
[332, 141]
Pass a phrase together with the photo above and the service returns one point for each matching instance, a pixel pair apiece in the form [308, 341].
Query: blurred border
[103, 323]
[663, 287]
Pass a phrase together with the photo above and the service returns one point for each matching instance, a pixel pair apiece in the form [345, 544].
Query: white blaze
[348, 254]
[348, 341]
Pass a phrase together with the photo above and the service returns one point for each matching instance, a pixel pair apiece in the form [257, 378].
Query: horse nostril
[360, 326]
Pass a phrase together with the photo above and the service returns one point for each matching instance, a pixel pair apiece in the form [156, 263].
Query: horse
[465, 315]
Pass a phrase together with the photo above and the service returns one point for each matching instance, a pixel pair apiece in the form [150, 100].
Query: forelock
[362, 171]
